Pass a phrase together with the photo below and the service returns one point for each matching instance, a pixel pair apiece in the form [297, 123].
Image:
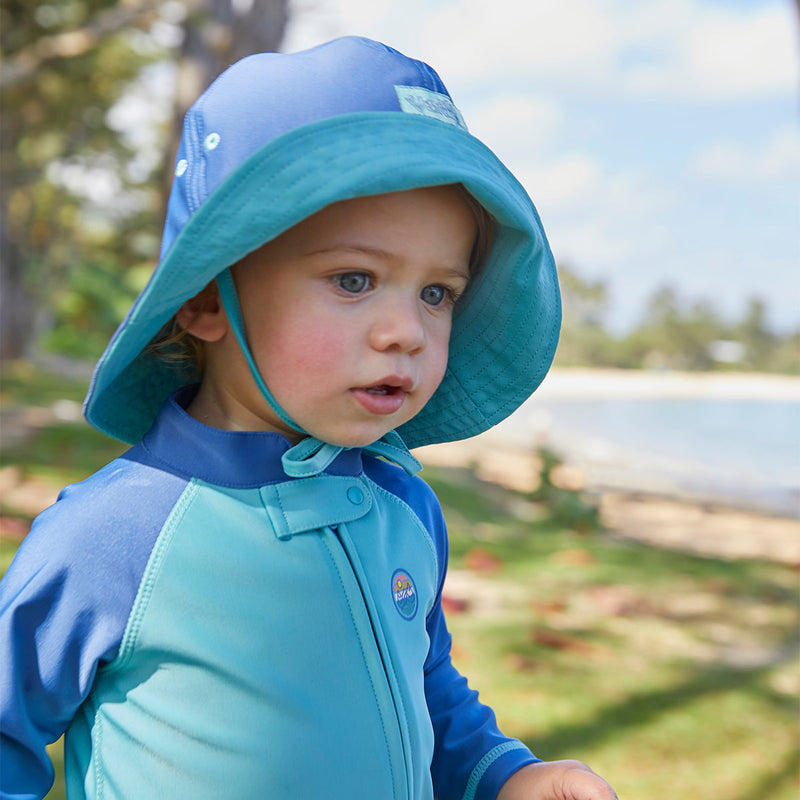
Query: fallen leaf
[560, 641]
[481, 560]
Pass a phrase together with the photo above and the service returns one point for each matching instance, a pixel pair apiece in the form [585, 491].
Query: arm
[472, 758]
[51, 643]
[64, 605]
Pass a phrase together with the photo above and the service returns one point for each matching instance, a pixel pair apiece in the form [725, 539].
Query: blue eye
[353, 282]
[433, 295]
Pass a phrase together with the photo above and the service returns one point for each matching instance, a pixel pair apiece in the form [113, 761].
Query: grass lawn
[674, 676]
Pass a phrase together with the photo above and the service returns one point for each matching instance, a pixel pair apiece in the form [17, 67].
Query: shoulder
[99, 534]
[66, 599]
[115, 508]
[411, 489]
[414, 492]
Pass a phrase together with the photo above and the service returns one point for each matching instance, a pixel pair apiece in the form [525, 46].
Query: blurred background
[626, 546]
[659, 142]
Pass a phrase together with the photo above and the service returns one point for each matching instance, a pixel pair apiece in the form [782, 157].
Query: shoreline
[596, 383]
[655, 516]
[612, 457]
[674, 501]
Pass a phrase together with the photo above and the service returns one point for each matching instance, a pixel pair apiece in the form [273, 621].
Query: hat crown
[266, 95]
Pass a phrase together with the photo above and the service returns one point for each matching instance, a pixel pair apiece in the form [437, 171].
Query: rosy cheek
[436, 366]
[311, 352]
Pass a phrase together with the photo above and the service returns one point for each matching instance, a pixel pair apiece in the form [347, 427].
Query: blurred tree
[671, 337]
[584, 301]
[786, 355]
[81, 164]
[583, 335]
[755, 336]
[700, 327]
[64, 65]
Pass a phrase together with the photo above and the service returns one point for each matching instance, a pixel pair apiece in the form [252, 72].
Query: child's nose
[398, 325]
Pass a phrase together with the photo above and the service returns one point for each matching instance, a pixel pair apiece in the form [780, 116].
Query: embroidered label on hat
[416, 100]
[404, 594]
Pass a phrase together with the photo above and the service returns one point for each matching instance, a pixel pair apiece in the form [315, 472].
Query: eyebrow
[386, 256]
[353, 248]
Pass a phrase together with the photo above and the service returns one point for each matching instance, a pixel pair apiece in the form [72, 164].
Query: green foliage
[64, 452]
[567, 508]
[21, 383]
[89, 107]
[631, 658]
[58, 146]
[90, 307]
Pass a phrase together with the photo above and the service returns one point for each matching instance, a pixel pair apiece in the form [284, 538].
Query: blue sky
[659, 140]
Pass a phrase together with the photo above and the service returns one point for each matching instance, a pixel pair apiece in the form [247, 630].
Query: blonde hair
[173, 344]
[484, 238]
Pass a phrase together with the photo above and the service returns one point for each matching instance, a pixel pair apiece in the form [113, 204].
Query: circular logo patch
[405, 594]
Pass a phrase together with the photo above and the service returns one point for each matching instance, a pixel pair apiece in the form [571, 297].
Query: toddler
[247, 603]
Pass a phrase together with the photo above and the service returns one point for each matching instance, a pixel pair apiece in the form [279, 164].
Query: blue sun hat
[278, 137]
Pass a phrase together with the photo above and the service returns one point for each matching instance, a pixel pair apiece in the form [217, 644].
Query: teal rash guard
[201, 625]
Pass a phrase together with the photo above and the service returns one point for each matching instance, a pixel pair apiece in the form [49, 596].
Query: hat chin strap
[310, 456]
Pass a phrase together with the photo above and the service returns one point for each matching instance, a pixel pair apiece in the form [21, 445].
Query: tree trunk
[16, 306]
[218, 32]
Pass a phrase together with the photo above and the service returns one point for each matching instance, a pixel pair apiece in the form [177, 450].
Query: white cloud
[312, 22]
[573, 179]
[684, 49]
[591, 244]
[778, 158]
[602, 222]
[514, 122]
[702, 52]
[473, 37]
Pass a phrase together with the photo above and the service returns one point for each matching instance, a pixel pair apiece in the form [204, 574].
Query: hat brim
[505, 328]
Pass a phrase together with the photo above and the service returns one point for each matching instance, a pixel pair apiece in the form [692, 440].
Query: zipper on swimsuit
[389, 681]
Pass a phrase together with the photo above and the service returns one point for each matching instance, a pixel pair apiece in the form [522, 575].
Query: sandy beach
[649, 503]
[662, 520]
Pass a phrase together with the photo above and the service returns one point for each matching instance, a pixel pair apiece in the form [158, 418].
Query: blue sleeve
[472, 759]
[64, 605]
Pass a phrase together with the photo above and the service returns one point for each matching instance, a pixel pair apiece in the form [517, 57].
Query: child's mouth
[382, 398]
[381, 389]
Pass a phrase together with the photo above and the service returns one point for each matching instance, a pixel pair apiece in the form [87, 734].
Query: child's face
[348, 317]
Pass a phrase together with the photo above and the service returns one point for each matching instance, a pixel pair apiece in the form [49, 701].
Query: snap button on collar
[355, 495]
[310, 504]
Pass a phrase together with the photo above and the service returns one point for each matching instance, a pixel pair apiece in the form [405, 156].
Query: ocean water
[741, 451]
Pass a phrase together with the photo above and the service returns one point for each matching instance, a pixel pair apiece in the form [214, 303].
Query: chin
[357, 441]
[353, 438]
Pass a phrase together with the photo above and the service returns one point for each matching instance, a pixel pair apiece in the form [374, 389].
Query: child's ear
[203, 315]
